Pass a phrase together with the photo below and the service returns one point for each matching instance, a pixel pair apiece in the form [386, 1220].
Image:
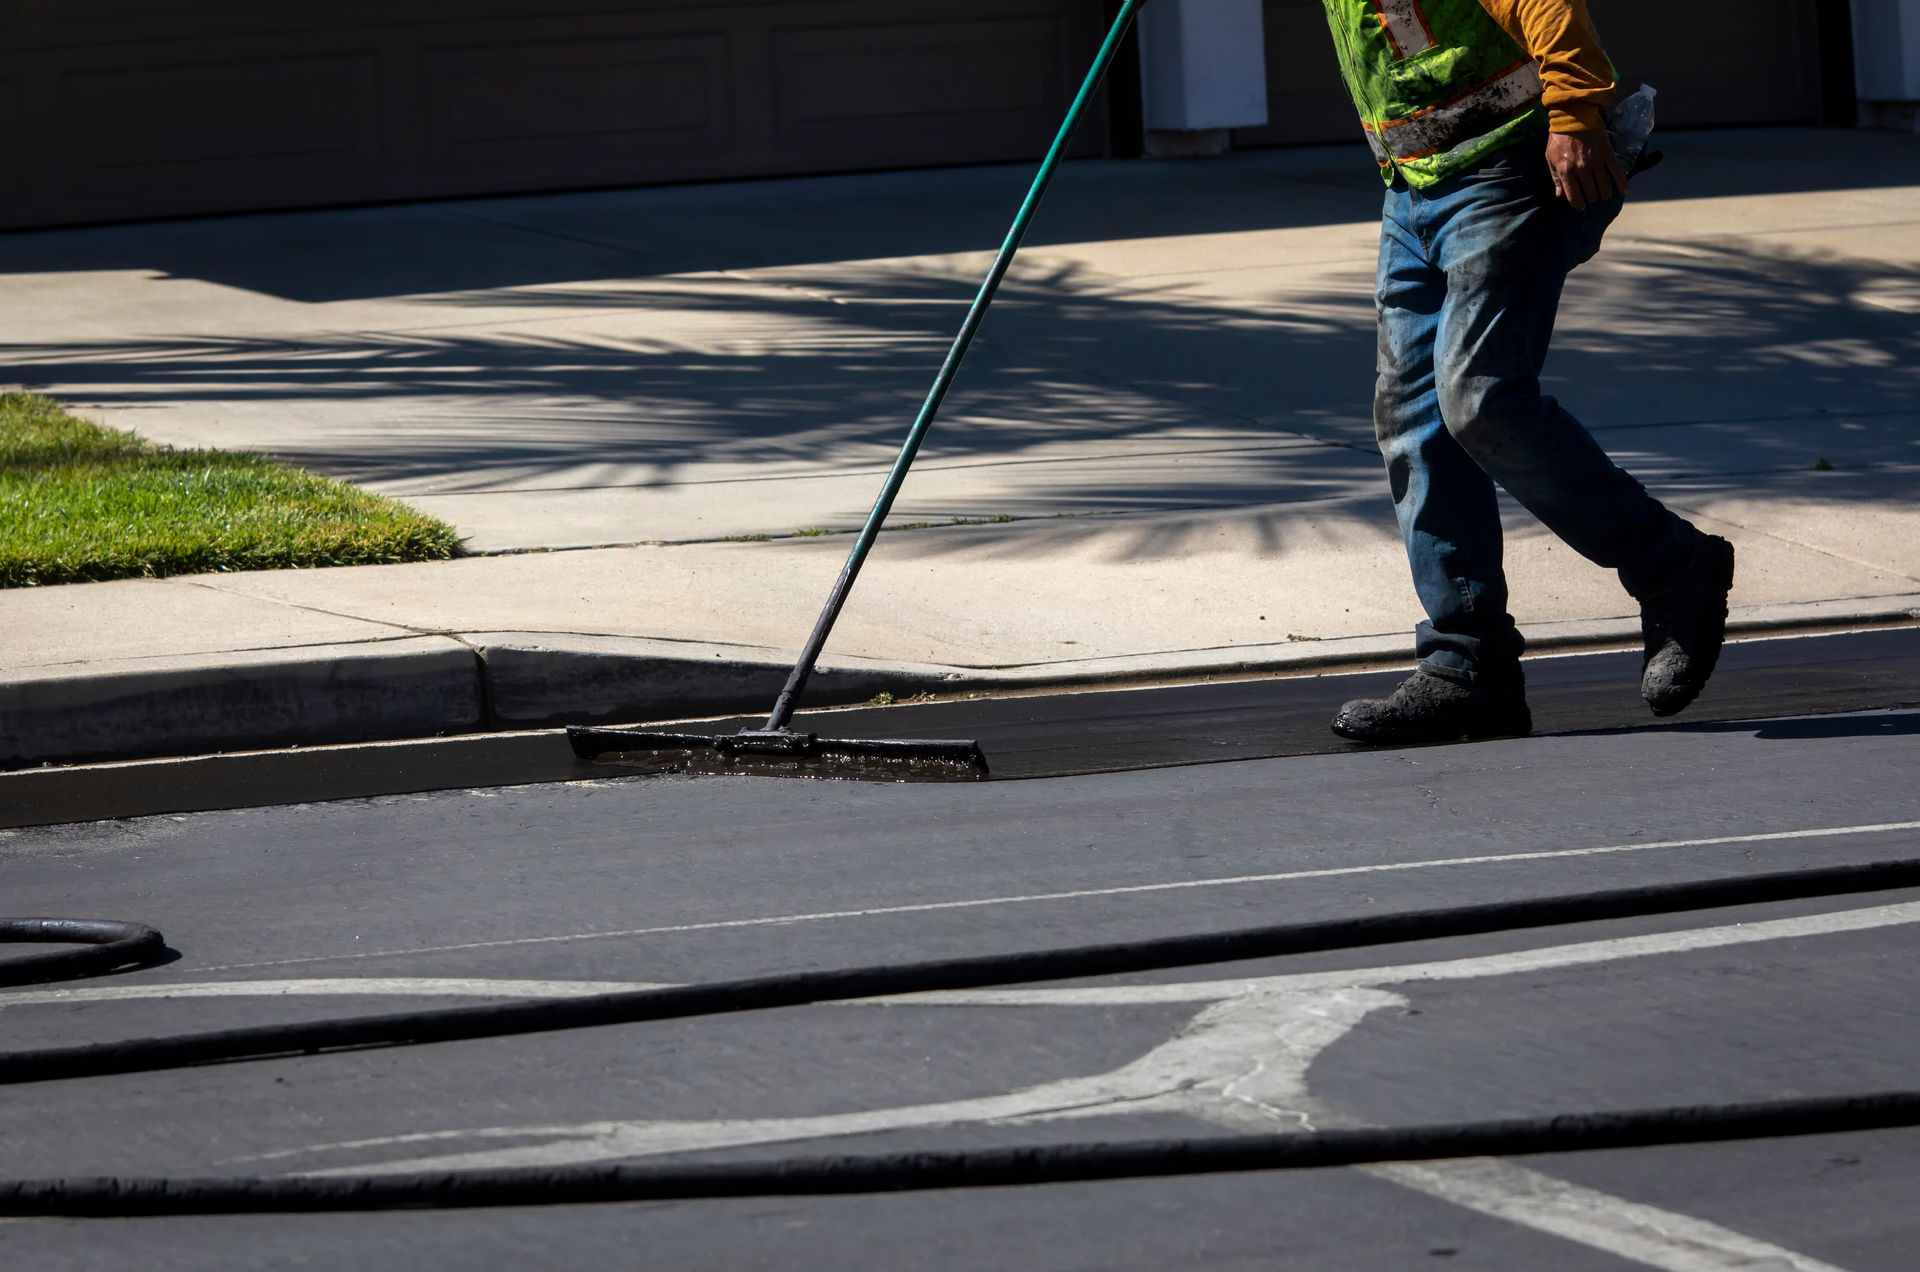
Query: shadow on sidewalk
[1716, 362]
[1770, 364]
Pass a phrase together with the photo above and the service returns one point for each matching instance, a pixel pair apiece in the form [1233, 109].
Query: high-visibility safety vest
[1439, 84]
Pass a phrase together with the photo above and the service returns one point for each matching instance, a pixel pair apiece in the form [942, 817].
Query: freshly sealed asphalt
[1107, 731]
[302, 912]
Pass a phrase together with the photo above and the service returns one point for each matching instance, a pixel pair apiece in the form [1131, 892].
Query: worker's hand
[1584, 169]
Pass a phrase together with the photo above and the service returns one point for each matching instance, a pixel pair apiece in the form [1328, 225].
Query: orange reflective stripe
[1405, 25]
[1439, 127]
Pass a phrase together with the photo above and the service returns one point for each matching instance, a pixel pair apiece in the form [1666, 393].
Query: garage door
[128, 108]
[1741, 61]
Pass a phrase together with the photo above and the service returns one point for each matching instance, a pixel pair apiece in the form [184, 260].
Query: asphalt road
[308, 911]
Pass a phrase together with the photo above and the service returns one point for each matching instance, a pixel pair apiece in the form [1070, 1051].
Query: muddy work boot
[1433, 708]
[1683, 627]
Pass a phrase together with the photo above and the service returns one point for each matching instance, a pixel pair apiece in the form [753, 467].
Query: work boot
[1683, 627]
[1432, 708]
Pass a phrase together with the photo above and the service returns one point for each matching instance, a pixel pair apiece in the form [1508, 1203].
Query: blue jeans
[1470, 277]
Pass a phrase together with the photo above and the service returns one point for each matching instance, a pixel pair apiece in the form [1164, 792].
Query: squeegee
[777, 747]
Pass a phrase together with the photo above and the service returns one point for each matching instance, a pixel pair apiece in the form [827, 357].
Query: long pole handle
[784, 706]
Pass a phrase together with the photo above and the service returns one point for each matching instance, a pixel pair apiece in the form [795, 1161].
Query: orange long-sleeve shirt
[1559, 36]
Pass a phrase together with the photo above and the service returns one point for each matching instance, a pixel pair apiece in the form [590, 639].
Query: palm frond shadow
[663, 382]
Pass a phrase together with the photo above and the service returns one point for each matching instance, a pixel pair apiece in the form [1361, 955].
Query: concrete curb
[412, 687]
[430, 686]
[538, 679]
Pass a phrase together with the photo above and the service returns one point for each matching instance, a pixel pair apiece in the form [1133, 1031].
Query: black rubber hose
[792, 989]
[104, 946]
[975, 1168]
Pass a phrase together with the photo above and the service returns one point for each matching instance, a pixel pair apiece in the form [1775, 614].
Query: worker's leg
[1506, 243]
[1445, 502]
[1469, 682]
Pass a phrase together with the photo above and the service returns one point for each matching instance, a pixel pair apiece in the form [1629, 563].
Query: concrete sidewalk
[642, 408]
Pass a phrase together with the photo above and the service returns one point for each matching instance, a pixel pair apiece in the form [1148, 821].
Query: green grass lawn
[80, 503]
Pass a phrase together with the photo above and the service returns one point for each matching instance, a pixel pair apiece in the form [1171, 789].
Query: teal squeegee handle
[783, 707]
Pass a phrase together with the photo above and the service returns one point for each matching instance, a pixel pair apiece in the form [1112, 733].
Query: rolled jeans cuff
[1461, 657]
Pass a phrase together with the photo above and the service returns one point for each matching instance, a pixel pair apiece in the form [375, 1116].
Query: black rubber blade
[806, 755]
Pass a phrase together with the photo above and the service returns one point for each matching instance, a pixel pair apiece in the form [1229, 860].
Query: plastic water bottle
[1629, 124]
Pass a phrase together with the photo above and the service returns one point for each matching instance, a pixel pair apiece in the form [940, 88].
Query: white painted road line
[1081, 894]
[1630, 1229]
[1548, 958]
[1515, 962]
[1251, 1045]
[1242, 1062]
